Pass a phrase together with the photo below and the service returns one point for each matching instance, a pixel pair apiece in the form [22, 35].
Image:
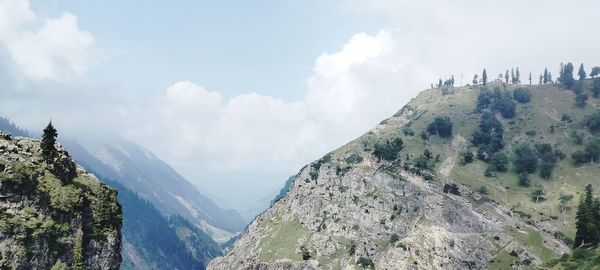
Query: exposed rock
[375, 211]
[43, 207]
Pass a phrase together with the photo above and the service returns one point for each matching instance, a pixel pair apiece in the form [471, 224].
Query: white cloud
[256, 132]
[45, 48]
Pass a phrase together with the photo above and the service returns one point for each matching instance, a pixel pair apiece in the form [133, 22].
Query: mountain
[460, 178]
[152, 241]
[54, 213]
[284, 190]
[8, 126]
[153, 180]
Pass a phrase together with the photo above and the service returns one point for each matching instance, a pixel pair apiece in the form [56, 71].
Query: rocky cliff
[54, 214]
[379, 203]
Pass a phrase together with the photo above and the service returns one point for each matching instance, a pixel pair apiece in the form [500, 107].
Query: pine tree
[475, 79]
[78, 260]
[440, 83]
[48, 140]
[452, 81]
[512, 75]
[529, 77]
[517, 76]
[566, 76]
[587, 223]
[545, 75]
[581, 73]
[541, 79]
[484, 77]
[506, 76]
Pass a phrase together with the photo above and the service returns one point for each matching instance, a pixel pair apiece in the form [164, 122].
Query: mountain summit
[460, 178]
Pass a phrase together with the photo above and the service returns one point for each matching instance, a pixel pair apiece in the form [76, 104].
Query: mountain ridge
[343, 210]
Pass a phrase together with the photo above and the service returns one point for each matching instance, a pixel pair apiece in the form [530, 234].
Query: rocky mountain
[460, 178]
[153, 180]
[54, 214]
[151, 239]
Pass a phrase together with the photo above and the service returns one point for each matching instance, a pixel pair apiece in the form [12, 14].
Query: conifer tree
[78, 259]
[48, 140]
[517, 76]
[545, 75]
[512, 75]
[587, 219]
[581, 73]
[484, 77]
[566, 76]
[506, 76]
[529, 77]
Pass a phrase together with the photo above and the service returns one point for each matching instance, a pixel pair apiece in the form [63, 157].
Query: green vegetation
[580, 258]
[389, 150]
[441, 126]
[522, 95]
[566, 76]
[78, 257]
[588, 219]
[526, 160]
[365, 263]
[592, 122]
[22, 180]
[489, 137]
[590, 154]
[48, 140]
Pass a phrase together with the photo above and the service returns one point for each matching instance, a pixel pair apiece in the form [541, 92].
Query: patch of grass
[281, 241]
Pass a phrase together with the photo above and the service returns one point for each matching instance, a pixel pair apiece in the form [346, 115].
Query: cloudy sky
[238, 95]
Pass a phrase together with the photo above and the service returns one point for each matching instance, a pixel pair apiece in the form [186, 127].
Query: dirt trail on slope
[458, 144]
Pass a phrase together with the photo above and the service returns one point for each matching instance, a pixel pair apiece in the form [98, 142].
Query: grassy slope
[547, 105]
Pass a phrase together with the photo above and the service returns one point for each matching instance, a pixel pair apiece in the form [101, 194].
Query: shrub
[305, 253]
[524, 180]
[366, 263]
[394, 238]
[522, 95]
[484, 190]
[505, 106]
[466, 157]
[64, 198]
[499, 161]
[441, 126]
[581, 100]
[21, 179]
[388, 150]
[526, 160]
[354, 159]
[593, 122]
[352, 248]
[408, 132]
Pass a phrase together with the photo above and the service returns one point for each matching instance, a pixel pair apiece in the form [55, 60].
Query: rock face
[351, 210]
[54, 215]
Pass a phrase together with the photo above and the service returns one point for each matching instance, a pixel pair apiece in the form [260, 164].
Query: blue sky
[239, 95]
[230, 46]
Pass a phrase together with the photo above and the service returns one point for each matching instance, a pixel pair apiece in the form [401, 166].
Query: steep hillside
[152, 179]
[407, 194]
[152, 241]
[54, 213]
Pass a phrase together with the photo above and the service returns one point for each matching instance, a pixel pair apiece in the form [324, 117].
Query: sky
[239, 95]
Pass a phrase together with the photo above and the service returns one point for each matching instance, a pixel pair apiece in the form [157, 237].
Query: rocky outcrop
[352, 210]
[54, 214]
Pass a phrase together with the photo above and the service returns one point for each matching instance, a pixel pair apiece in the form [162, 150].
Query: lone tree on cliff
[48, 140]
